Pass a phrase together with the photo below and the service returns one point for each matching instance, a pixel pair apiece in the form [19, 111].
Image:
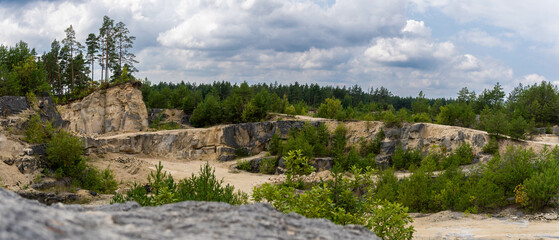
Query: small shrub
[242, 152]
[404, 159]
[492, 147]
[275, 145]
[268, 165]
[35, 132]
[539, 190]
[244, 165]
[65, 151]
[204, 187]
[464, 154]
[391, 221]
[297, 164]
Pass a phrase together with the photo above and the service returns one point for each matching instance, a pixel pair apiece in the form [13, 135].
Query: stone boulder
[11, 105]
[27, 219]
[116, 109]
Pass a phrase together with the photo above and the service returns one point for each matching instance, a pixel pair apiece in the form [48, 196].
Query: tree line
[69, 67]
[525, 108]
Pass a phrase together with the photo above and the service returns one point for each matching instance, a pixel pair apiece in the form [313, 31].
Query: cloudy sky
[437, 46]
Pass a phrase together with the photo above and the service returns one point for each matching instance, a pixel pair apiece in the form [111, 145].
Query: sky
[407, 46]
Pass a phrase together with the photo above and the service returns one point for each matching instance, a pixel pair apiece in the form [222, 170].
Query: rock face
[220, 142]
[118, 108]
[26, 219]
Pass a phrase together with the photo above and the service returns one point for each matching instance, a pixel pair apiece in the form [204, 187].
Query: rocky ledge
[27, 219]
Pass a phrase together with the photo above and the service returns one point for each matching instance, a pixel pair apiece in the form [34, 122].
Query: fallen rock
[26, 219]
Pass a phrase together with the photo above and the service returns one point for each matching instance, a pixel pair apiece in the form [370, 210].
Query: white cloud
[535, 21]
[483, 38]
[532, 79]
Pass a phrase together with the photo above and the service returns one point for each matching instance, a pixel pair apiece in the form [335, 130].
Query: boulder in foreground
[27, 219]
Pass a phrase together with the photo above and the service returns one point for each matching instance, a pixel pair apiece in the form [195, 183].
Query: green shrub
[204, 187]
[386, 187]
[539, 190]
[339, 140]
[391, 221]
[343, 201]
[244, 165]
[242, 152]
[65, 151]
[36, 132]
[268, 165]
[373, 146]
[404, 159]
[491, 147]
[297, 164]
[464, 153]
[275, 146]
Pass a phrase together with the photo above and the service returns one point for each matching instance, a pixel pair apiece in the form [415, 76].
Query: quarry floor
[508, 224]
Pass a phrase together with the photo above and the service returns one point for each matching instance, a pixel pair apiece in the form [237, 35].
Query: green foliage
[390, 221]
[404, 159]
[36, 132]
[207, 113]
[457, 114]
[343, 201]
[339, 140]
[244, 165]
[491, 147]
[204, 187]
[311, 140]
[297, 164]
[275, 145]
[331, 108]
[373, 146]
[268, 165]
[65, 151]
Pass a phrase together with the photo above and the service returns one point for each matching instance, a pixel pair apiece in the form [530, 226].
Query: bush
[204, 187]
[297, 164]
[275, 146]
[404, 159]
[343, 201]
[65, 151]
[373, 146]
[35, 132]
[339, 140]
[539, 190]
[391, 221]
[268, 165]
[244, 165]
[492, 147]
[331, 108]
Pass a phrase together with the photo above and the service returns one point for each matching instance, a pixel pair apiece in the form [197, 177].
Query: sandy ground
[453, 225]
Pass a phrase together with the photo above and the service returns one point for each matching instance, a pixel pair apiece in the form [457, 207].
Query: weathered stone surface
[478, 140]
[28, 164]
[49, 198]
[48, 111]
[26, 219]
[119, 108]
[321, 164]
[388, 147]
[11, 105]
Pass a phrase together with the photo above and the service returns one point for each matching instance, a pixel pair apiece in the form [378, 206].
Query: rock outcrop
[116, 109]
[27, 219]
[220, 142]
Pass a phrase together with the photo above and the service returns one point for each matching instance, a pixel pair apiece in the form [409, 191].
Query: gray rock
[393, 133]
[48, 111]
[446, 143]
[10, 105]
[478, 140]
[26, 219]
[28, 164]
[321, 164]
[388, 147]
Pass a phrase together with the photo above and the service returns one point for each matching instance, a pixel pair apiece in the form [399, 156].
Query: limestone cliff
[116, 109]
[220, 142]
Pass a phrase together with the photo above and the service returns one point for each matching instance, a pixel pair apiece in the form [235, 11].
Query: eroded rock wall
[116, 109]
[220, 142]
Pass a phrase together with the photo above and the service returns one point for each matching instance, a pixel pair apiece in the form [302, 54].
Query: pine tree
[92, 49]
[123, 42]
[74, 47]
